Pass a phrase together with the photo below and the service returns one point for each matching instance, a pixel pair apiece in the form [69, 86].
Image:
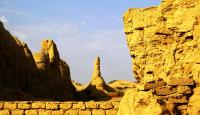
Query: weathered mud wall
[54, 72]
[164, 46]
[17, 67]
[164, 40]
[24, 77]
[58, 108]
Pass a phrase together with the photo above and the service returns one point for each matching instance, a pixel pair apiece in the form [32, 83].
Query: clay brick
[106, 105]
[181, 100]
[1, 105]
[4, 112]
[79, 105]
[58, 112]
[151, 85]
[98, 112]
[23, 106]
[38, 105]
[182, 107]
[181, 81]
[84, 112]
[116, 105]
[111, 112]
[92, 105]
[45, 112]
[162, 91]
[51, 105]
[10, 105]
[71, 112]
[184, 90]
[31, 112]
[66, 105]
[17, 112]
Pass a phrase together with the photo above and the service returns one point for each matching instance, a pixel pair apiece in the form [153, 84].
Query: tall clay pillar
[97, 79]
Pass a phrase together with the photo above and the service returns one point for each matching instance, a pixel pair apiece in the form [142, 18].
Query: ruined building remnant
[97, 79]
[164, 46]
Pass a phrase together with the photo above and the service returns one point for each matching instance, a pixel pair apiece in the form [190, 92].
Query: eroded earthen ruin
[97, 89]
[17, 67]
[97, 79]
[164, 46]
[54, 72]
[24, 77]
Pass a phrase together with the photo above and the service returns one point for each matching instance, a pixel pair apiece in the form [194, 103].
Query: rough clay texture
[17, 66]
[164, 40]
[164, 46]
[22, 77]
[58, 108]
[97, 79]
[140, 102]
[54, 72]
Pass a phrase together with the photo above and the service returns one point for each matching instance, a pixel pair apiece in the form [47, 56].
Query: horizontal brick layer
[58, 108]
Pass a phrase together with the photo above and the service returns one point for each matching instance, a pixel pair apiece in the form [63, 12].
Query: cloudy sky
[82, 30]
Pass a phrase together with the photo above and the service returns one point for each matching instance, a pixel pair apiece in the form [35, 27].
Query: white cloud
[3, 19]
[20, 35]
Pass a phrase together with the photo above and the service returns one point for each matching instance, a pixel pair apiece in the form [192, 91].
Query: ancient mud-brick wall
[164, 41]
[58, 108]
[164, 45]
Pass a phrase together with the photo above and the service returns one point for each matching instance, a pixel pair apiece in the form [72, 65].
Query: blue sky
[81, 29]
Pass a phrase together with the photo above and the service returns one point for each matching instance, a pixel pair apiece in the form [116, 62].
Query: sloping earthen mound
[54, 72]
[23, 78]
[17, 67]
